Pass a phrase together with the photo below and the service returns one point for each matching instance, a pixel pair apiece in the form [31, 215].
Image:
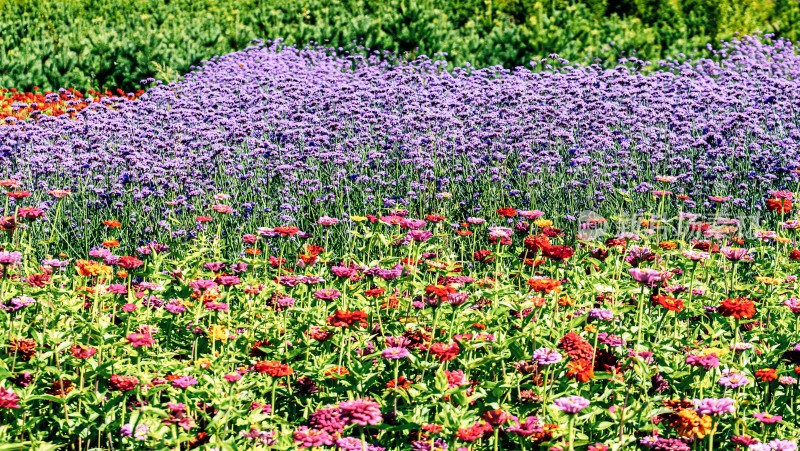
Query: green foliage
[112, 43]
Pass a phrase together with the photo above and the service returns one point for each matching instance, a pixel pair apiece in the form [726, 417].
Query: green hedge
[115, 43]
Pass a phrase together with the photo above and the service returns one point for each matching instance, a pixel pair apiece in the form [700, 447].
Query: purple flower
[571, 404]
[714, 406]
[645, 276]
[546, 356]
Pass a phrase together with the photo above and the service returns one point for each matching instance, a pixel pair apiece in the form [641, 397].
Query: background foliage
[115, 43]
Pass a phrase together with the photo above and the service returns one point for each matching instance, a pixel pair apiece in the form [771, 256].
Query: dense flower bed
[295, 134]
[391, 331]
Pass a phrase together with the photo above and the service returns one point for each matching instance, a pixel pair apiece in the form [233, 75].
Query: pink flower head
[327, 221]
[362, 412]
[140, 340]
[571, 404]
[8, 399]
[714, 406]
[767, 418]
[645, 276]
[220, 208]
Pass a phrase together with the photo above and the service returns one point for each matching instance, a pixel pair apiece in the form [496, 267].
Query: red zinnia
[445, 352]
[273, 368]
[558, 252]
[767, 374]
[779, 205]
[535, 242]
[669, 303]
[345, 318]
[122, 383]
[483, 256]
[128, 262]
[506, 212]
[739, 308]
[286, 230]
[580, 370]
[576, 347]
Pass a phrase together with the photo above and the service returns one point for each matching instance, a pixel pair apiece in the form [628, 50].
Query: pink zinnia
[327, 221]
[767, 418]
[184, 382]
[8, 399]
[140, 340]
[793, 304]
[311, 438]
[220, 208]
[328, 294]
[363, 412]
[571, 404]
[714, 406]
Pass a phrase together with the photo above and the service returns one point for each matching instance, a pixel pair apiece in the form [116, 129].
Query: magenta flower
[395, 353]
[420, 235]
[138, 340]
[706, 361]
[327, 221]
[645, 276]
[8, 399]
[184, 382]
[767, 418]
[733, 379]
[311, 438]
[329, 294]
[734, 254]
[793, 304]
[363, 412]
[714, 406]
[328, 419]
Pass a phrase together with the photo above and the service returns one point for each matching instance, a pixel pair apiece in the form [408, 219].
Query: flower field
[303, 249]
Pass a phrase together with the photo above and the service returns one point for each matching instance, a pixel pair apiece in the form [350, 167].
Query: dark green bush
[115, 43]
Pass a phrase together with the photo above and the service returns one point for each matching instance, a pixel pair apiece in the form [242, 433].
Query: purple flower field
[293, 133]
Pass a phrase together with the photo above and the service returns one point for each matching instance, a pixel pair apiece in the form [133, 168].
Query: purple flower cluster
[289, 126]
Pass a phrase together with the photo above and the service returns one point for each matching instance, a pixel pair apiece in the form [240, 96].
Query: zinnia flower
[571, 404]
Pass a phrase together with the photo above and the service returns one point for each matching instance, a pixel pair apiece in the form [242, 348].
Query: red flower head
[445, 352]
[739, 308]
[345, 318]
[534, 243]
[483, 256]
[129, 262]
[506, 212]
[122, 383]
[576, 347]
[112, 224]
[558, 252]
[580, 370]
[544, 285]
[669, 303]
[273, 368]
[779, 205]
[474, 432]
[795, 254]
[286, 230]
[440, 291]
[767, 374]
